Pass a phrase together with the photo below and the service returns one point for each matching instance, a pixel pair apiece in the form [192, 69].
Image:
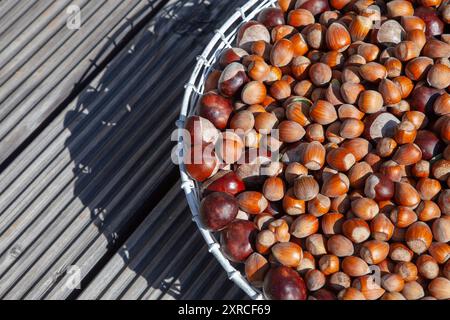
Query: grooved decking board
[165, 258]
[78, 189]
[42, 60]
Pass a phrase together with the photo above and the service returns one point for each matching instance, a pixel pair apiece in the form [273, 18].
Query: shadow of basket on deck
[120, 138]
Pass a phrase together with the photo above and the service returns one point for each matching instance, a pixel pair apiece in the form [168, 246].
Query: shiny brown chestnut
[201, 162]
[216, 109]
[217, 210]
[379, 187]
[271, 17]
[237, 240]
[283, 283]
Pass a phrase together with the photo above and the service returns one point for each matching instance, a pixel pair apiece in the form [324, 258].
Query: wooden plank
[39, 76]
[6, 7]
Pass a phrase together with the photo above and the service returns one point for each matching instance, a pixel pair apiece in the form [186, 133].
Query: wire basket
[222, 39]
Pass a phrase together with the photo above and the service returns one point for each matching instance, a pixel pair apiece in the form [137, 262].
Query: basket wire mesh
[222, 39]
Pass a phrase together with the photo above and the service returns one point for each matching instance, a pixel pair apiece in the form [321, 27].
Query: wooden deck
[86, 183]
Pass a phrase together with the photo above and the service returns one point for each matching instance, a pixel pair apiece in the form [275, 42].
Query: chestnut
[201, 162]
[422, 98]
[201, 131]
[434, 25]
[316, 7]
[217, 210]
[283, 283]
[224, 181]
[271, 17]
[231, 55]
[250, 32]
[232, 79]
[237, 240]
[339, 149]
[216, 109]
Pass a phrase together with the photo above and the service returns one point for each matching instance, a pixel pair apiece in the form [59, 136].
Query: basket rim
[222, 38]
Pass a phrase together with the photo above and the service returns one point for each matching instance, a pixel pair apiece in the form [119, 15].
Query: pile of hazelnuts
[324, 137]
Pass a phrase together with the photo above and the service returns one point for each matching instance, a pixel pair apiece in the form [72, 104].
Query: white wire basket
[223, 39]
